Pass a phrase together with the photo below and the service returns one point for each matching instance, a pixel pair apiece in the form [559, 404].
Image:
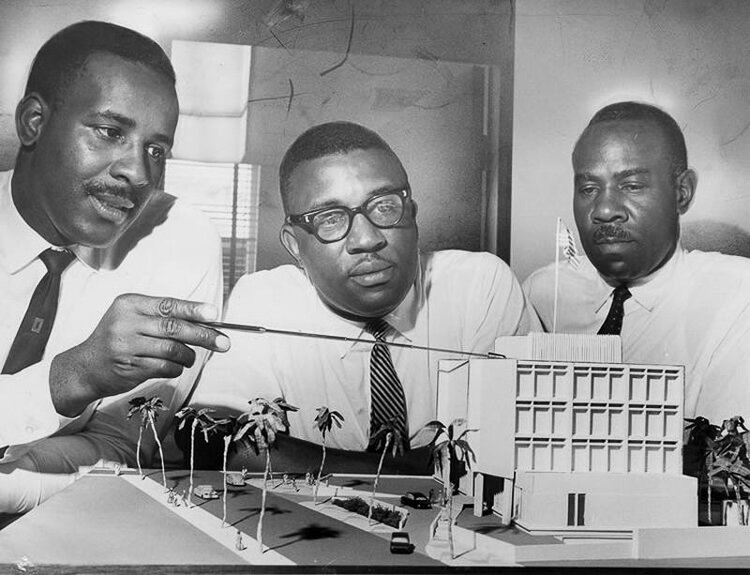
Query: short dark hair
[638, 111]
[327, 140]
[61, 59]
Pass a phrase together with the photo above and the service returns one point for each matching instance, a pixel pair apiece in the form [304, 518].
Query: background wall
[408, 64]
[571, 57]
[691, 57]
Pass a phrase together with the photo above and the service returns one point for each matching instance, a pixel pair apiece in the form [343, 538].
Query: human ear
[31, 114]
[685, 186]
[290, 243]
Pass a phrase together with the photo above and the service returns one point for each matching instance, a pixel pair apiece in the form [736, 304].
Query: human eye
[586, 189]
[385, 205]
[108, 132]
[330, 219]
[633, 186]
[157, 153]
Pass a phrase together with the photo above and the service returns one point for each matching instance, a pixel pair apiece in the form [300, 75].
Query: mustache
[94, 188]
[610, 232]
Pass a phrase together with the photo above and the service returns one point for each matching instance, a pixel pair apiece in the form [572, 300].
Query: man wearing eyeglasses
[351, 228]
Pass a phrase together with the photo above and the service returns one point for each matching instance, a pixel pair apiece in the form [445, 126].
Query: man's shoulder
[718, 261]
[277, 293]
[713, 269]
[459, 263]
[284, 285]
[543, 277]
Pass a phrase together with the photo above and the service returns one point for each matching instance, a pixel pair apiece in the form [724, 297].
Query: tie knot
[621, 293]
[377, 328]
[56, 260]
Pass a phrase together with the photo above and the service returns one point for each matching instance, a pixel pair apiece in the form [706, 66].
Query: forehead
[346, 179]
[622, 144]
[109, 83]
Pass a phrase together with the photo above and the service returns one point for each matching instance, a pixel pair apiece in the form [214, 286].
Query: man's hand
[138, 338]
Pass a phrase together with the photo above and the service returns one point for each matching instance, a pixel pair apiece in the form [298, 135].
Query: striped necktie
[613, 324]
[388, 402]
[36, 326]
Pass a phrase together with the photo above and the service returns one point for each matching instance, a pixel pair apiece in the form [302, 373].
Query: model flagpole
[563, 239]
[557, 273]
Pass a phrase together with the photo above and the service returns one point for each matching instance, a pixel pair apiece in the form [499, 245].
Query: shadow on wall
[713, 236]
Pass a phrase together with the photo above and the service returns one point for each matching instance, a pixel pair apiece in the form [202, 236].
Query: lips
[112, 207]
[371, 273]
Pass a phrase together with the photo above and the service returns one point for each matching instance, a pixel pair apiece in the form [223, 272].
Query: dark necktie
[32, 336]
[613, 324]
[386, 391]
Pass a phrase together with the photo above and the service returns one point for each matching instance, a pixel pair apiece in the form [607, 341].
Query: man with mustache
[631, 185]
[351, 228]
[127, 271]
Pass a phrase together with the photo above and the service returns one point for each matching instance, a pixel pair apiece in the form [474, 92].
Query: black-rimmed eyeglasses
[328, 225]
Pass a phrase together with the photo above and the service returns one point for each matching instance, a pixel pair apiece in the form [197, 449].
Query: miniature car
[205, 492]
[400, 542]
[416, 499]
[236, 478]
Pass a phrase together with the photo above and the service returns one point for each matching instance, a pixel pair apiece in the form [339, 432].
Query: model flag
[565, 242]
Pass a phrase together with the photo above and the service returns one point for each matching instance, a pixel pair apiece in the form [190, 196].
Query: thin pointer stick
[260, 329]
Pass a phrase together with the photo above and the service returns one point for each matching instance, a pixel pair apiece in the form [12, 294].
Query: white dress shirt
[693, 311]
[460, 301]
[172, 250]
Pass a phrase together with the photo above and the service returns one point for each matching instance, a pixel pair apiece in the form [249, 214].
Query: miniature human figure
[81, 215]
[632, 184]
[171, 496]
[238, 543]
[351, 228]
[309, 479]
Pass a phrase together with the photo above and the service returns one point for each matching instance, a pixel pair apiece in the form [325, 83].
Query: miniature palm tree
[698, 452]
[445, 448]
[324, 421]
[259, 426]
[149, 411]
[228, 428]
[728, 461]
[199, 418]
[387, 435]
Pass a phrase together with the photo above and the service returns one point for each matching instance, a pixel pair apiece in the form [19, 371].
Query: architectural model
[589, 450]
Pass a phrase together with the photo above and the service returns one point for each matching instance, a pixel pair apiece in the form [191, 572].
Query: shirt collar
[19, 243]
[647, 290]
[402, 319]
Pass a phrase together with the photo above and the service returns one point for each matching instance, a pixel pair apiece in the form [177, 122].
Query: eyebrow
[631, 172]
[618, 175]
[335, 204]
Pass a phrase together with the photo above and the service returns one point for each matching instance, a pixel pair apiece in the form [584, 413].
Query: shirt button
[29, 430]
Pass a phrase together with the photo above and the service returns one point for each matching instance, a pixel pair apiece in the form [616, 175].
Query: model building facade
[573, 448]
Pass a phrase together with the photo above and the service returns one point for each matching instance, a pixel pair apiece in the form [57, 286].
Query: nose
[364, 236]
[608, 207]
[132, 166]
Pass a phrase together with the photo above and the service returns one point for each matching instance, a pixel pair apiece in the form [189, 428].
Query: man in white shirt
[632, 184]
[351, 227]
[96, 125]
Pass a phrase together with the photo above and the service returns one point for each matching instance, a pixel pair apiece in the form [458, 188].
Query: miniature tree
[324, 421]
[228, 427]
[149, 411]
[728, 461]
[446, 448]
[199, 418]
[388, 434]
[259, 426]
[697, 452]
